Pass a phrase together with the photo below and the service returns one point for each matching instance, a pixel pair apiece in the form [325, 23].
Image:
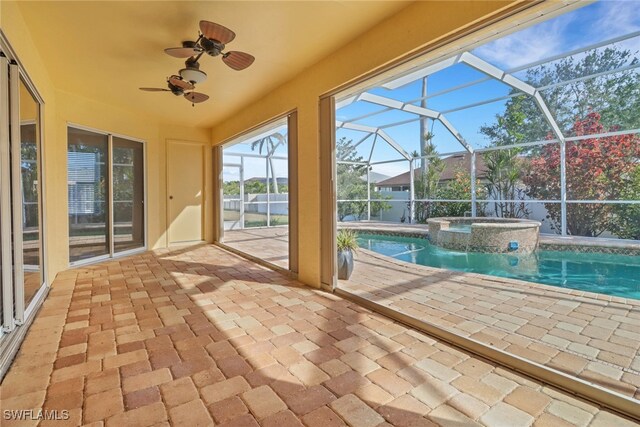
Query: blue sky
[587, 25]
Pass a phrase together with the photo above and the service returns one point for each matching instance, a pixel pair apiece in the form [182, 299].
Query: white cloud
[617, 18]
[531, 44]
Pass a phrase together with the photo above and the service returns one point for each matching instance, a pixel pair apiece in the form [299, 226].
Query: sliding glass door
[21, 250]
[106, 195]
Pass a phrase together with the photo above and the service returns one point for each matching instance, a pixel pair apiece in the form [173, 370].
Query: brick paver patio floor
[271, 244]
[592, 336]
[199, 335]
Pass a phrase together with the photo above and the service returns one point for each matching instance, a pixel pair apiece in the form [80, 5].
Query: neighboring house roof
[452, 165]
[375, 177]
[280, 180]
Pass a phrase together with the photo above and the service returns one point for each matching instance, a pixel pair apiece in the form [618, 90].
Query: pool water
[617, 275]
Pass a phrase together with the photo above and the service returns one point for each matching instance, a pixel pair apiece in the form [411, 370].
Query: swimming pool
[602, 273]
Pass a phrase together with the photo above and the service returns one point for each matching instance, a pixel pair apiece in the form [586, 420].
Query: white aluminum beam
[422, 72]
[455, 133]
[373, 147]
[346, 101]
[394, 144]
[361, 140]
[493, 71]
[420, 111]
[381, 133]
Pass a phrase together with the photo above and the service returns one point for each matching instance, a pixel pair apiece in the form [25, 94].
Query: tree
[232, 188]
[596, 169]
[270, 143]
[459, 188]
[503, 182]
[615, 96]
[627, 223]
[352, 185]
[428, 179]
[503, 167]
[29, 172]
[616, 99]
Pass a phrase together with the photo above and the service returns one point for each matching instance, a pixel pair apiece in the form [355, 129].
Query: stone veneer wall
[630, 249]
[491, 235]
[591, 248]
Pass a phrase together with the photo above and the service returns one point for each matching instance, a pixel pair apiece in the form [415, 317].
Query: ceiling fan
[212, 39]
[179, 87]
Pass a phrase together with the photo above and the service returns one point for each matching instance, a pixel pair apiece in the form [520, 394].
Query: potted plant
[347, 241]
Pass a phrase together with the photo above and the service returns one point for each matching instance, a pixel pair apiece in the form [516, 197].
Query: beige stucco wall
[62, 108]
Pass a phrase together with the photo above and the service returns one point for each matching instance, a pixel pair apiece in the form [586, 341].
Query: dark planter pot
[345, 264]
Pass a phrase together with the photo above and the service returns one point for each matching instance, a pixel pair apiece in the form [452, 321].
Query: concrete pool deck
[271, 244]
[591, 336]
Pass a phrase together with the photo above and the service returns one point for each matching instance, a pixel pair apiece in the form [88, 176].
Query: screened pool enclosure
[536, 124]
[255, 194]
[255, 179]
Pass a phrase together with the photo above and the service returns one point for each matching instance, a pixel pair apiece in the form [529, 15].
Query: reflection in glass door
[128, 194]
[233, 196]
[106, 195]
[29, 193]
[87, 192]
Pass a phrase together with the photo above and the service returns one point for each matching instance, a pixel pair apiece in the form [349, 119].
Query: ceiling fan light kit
[193, 74]
[212, 40]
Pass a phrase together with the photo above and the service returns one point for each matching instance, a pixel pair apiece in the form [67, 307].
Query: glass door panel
[88, 194]
[30, 191]
[128, 194]
[232, 189]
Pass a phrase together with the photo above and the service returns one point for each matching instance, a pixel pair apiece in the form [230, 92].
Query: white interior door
[185, 191]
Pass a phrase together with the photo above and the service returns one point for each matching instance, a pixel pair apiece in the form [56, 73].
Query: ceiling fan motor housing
[177, 91]
[211, 46]
[189, 44]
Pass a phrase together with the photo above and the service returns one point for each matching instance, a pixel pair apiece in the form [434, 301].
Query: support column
[241, 192]
[412, 192]
[474, 211]
[368, 193]
[266, 162]
[563, 187]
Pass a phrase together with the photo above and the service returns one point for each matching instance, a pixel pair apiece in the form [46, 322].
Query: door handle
[170, 197]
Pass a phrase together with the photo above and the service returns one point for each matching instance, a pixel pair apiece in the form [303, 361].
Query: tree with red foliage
[596, 169]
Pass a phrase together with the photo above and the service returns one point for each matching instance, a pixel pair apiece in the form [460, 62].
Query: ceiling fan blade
[177, 81]
[154, 89]
[214, 31]
[196, 97]
[238, 60]
[182, 52]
